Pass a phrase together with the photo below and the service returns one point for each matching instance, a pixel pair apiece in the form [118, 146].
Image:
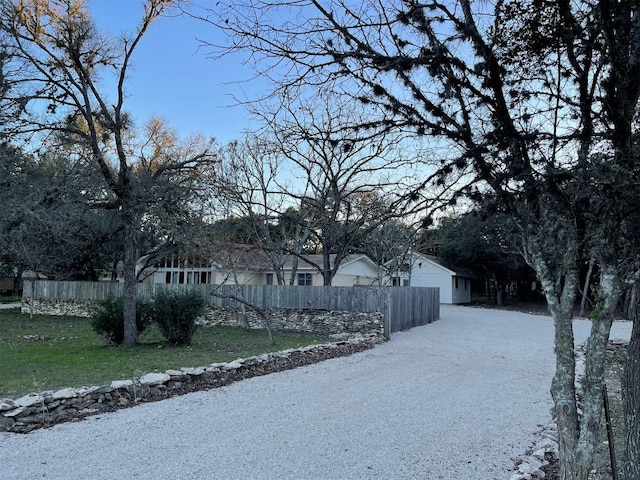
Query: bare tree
[69, 65]
[390, 244]
[311, 181]
[340, 170]
[251, 186]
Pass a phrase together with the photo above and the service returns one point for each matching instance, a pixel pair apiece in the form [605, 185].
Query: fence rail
[403, 307]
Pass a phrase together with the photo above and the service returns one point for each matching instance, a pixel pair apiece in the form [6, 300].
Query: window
[269, 278]
[167, 278]
[305, 279]
[400, 282]
[203, 277]
[456, 283]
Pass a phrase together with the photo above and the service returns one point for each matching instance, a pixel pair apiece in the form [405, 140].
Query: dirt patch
[534, 308]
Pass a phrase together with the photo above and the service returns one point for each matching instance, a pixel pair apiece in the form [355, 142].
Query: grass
[9, 299]
[53, 352]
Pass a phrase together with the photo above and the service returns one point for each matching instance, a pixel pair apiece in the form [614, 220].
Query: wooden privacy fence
[403, 307]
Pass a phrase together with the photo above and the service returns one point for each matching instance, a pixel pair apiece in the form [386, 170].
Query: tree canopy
[71, 79]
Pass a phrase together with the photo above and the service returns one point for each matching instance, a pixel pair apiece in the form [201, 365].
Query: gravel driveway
[456, 399]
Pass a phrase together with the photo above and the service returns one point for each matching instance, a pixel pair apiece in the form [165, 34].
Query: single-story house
[355, 269]
[246, 265]
[419, 270]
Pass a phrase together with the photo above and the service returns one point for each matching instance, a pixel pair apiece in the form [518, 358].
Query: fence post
[33, 288]
[387, 316]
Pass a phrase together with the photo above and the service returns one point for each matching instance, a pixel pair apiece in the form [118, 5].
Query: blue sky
[174, 80]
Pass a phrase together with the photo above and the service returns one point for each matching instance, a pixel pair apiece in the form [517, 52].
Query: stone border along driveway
[460, 398]
[45, 409]
[5, 306]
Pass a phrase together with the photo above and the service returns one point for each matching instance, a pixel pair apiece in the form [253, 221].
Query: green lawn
[51, 352]
[9, 299]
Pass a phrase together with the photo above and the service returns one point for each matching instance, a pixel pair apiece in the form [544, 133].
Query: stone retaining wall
[44, 409]
[306, 320]
[54, 306]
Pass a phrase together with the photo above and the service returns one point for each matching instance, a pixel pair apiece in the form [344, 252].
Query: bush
[108, 318]
[176, 314]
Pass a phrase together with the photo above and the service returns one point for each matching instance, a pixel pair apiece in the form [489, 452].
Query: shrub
[176, 314]
[107, 318]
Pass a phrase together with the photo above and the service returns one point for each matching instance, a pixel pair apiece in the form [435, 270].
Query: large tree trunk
[631, 404]
[294, 270]
[630, 303]
[500, 292]
[327, 276]
[495, 295]
[592, 385]
[578, 434]
[130, 285]
[561, 293]
[563, 392]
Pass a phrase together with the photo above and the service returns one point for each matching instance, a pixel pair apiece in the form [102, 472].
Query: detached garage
[420, 270]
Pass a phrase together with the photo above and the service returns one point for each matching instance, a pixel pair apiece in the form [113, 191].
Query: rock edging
[45, 409]
[540, 457]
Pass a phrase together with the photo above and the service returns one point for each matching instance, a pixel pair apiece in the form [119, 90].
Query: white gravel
[456, 399]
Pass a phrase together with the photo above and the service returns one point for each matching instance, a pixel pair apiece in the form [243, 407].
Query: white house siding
[461, 293]
[341, 280]
[428, 273]
[239, 278]
[357, 272]
[200, 275]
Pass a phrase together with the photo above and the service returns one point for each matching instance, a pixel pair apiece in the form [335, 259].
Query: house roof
[458, 271]
[236, 256]
[248, 257]
[232, 257]
[309, 262]
[454, 269]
